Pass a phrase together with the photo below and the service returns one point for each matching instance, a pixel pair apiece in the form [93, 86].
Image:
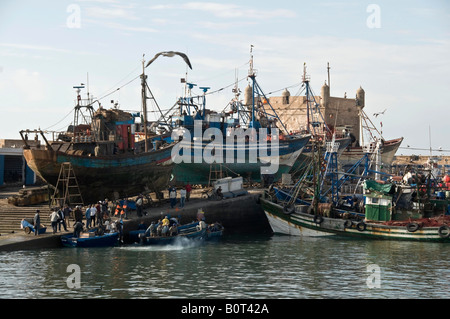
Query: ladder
[215, 173]
[67, 182]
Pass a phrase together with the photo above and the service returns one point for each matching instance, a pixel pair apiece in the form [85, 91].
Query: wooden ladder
[215, 173]
[67, 181]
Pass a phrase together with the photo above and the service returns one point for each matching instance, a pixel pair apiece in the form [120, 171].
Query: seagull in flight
[171, 54]
[379, 113]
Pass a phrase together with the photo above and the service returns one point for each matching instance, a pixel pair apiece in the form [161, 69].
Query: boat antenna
[251, 72]
[328, 71]
[429, 136]
[87, 85]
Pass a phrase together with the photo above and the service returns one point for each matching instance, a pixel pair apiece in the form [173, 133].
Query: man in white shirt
[173, 197]
[93, 212]
[183, 197]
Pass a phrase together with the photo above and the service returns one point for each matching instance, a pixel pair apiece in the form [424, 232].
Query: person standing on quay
[62, 219]
[54, 219]
[173, 197]
[98, 214]
[78, 214]
[37, 223]
[182, 197]
[124, 212]
[88, 216]
[188, 191]
[93, 213]
[139, 205]
[66, 212]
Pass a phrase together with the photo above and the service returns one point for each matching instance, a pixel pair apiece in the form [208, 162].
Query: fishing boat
[374, 143]
[388, 149]
[108, 153]
[190, 233]
[242, 141]
[90, 239]
[134, 236]
[298, 223]
[390, 211]
[318, 128]
[213, 232]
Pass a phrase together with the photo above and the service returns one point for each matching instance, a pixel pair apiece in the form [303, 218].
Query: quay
[238, 215]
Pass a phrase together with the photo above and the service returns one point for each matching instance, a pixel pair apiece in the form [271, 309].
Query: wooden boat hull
[100, 177]
[106, 240]
[303, 224]
[351, 155]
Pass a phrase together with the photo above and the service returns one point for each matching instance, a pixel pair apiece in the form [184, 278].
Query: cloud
[122, 27]
[33, 47]
[114, 12]
[28, 84]
[21, 48]
[236, 11]
[229, 11]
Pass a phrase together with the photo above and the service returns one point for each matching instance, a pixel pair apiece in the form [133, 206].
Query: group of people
[59, 217]
[185, 194]
[98, 215]
[95, 215]
[165, 227]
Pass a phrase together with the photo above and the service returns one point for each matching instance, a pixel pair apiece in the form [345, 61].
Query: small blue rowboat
[29, 227]
[106, 240]
[214, 234]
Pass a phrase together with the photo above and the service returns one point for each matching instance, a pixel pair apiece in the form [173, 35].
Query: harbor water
[244, 267]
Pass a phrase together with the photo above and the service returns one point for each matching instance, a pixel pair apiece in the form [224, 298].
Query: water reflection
[236, 267]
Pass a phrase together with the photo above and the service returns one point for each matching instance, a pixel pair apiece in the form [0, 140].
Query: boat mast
[144, 101]
[306, 82]
[252, 75]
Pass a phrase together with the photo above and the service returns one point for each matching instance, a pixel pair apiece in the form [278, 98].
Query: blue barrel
[440, 195]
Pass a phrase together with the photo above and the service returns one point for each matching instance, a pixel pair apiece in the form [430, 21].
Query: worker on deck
[165, 226]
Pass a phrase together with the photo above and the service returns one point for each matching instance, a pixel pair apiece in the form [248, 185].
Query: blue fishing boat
[192, 233]
[135, 235]
[90, 239]
[243, 140]
[214, 232]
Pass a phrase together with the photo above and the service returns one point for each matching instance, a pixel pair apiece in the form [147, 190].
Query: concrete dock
[239, 215]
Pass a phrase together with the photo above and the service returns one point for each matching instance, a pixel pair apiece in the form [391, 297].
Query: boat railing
[83, 139]
[352, 189]
[369, 148]
[332, 147]
[84, 102]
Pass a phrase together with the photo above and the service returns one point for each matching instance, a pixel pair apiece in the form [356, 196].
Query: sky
[397, 51]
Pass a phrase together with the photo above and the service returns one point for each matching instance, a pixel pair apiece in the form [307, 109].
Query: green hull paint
[302, 224]
[199, 173]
